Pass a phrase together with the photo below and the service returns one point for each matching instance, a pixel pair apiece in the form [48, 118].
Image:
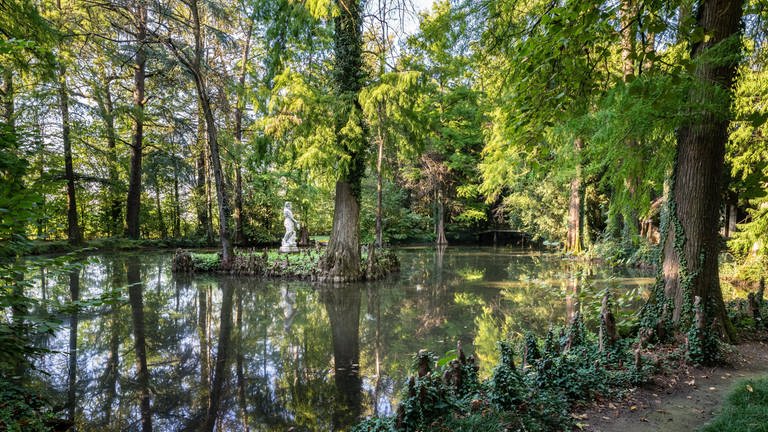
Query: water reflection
[204, 352]
[74, 292]
[342, 304]
[136, 302]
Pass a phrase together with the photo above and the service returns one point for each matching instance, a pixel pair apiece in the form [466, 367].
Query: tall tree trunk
[194, 68]
[440, 226]
[74, 290]
[218, 176]
[239, 235]
[628, 58]
[103, 97]
[342, 259]
[136, 301]
[200, 192]
[731, 213]
[176, 201]
[379, 176]
[690, 267]
[7, 92]
[220, 370]
[73, 230]
[208, 200]
[115, 203]
[573, 242]
[628, 13]
[160, 221]
[238, 215]
[133, 203]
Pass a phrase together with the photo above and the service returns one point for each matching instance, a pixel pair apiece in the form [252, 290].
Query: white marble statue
[291, 226]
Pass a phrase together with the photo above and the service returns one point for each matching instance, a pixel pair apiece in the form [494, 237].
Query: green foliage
[273, 264]
[536, 398]
[703, 342]
[621, 252]
[745, 409]
[206, 262]
[375, 424]
[747, 154]
[506, 385]
[23, 409]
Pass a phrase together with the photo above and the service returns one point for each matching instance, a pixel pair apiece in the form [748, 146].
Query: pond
[295, 354]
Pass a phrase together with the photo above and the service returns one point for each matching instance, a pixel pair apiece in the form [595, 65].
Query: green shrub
[22, 410]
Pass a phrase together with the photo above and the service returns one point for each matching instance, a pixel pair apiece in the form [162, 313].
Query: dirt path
[682, 401]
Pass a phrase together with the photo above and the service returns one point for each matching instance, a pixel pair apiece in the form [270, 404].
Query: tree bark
[632, 181]
[160, 220]
[7, 91]
[115, 203]
[238, 216]
[440, 228]
[379, 176]
[176, 201]
[573, 241]
[690, 267]
[342, 259]
[133, 202]
[628, 13]
[201, 184]
[194, 68]
[731, 214]
[73, 230]
[136, 300]
[218, 178]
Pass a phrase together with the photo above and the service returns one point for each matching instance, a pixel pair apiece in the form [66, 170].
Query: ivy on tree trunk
[692, 242]
[342, 259]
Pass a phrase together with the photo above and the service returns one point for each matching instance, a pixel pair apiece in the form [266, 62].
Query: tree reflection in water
[342, 304]
[231, 353]
[136, 301]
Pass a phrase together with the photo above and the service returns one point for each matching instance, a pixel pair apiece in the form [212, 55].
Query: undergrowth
[22, 409]
[532, 391]
[270, 263]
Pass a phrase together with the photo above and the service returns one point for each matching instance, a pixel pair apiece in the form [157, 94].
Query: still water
[279, 355]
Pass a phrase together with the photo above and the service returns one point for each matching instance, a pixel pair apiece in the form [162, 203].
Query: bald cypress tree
[342, 259]
[688, 293]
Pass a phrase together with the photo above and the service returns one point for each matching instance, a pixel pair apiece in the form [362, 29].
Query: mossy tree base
[303, 265]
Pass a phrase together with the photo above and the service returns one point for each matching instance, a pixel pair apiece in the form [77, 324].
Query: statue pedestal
[288, 249]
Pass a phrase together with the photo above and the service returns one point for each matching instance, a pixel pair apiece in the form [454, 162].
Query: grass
[746, 409]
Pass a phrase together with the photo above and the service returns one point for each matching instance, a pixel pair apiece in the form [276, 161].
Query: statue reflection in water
[288, 304]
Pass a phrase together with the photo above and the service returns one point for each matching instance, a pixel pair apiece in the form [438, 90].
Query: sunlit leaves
[323, 8]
